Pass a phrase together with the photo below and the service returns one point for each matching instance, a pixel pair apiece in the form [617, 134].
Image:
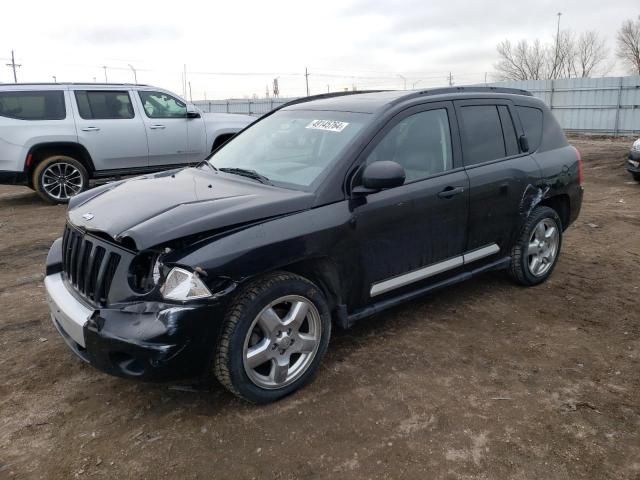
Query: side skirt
[377, 307]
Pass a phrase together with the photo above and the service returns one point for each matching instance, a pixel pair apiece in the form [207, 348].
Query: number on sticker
[328, 125]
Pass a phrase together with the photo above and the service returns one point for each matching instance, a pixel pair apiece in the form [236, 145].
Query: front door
[416, 231]
[165, 119]
[110, 129]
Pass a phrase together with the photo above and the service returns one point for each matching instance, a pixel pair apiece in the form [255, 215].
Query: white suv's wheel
[274, 336]
[58, 178]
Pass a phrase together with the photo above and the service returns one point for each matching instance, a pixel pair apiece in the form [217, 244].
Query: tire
[636, 176]
[58, 177]
[523, 269]
[251, 335]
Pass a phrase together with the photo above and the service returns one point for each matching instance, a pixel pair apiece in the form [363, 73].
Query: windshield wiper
[208, 163]
[245, 172]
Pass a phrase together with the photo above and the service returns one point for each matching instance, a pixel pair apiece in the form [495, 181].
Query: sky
[234, 49]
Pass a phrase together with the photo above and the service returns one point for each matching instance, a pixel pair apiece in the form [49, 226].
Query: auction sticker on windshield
[329, 125]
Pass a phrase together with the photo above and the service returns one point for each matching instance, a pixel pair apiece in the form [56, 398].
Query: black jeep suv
[328, 210]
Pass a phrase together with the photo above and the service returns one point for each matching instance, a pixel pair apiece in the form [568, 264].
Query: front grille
[89, 264]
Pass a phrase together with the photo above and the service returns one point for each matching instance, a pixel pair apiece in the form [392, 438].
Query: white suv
[55, 137]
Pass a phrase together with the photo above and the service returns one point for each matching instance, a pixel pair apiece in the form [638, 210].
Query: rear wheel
[636, 176]
[275, 334]
[58, 178]
[536, 252]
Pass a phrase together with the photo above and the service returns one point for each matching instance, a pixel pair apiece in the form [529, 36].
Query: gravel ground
[483, 380]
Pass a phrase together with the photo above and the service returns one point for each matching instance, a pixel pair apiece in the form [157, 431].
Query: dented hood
[154, 209]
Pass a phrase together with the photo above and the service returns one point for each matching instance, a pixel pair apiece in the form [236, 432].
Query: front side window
[421, 143]
[482, 138]
[104, 104]
[162, 105]
[292, 148]
[36, 105]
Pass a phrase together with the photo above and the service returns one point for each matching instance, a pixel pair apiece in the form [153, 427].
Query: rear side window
[482, 138]
[111, 104]
[531, 119]
[43, 105]
[510, 139]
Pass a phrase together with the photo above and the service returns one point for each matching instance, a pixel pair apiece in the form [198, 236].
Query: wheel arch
[561, 203]
[40, 151]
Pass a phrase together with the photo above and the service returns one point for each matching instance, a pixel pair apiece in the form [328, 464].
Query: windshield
[292, 148]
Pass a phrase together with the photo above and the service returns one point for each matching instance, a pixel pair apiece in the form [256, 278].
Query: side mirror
[524, 143]
[193, 114]
[380, 175]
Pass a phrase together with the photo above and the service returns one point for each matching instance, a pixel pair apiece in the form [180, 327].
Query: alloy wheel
[61, 180]
[282, 342]
[543, 247]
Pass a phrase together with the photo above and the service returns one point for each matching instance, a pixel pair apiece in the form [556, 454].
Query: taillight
[580, 170]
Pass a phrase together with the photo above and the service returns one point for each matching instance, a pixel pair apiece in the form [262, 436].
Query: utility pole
[190, 96]
[555, 61]
[14, 65]
[54, 79]
[485, 78]
[328, 88]
[276, 88]
[105, 74]
[450, 79]
[306, 78]
[135, 76]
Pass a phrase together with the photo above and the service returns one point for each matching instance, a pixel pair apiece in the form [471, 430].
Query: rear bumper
[8, 177]
[143, 340]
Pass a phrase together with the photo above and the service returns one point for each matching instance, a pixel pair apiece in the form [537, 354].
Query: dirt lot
[483, 380]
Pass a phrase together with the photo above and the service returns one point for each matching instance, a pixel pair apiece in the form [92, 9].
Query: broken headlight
[182, 285]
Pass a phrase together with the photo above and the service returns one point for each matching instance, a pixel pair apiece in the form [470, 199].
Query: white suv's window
[162, 105]
[104, 104]
[34, 105]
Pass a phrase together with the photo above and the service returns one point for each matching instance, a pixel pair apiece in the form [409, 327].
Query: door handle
[157, 127]
[451, 192]
[90, 129]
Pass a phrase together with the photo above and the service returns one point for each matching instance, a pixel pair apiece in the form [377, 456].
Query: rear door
[165, 118]
[110, 129]
[502, 177]
[417, 230]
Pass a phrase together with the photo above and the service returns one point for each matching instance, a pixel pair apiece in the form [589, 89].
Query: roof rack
[98, 84]
[322, 96]
[474, 89]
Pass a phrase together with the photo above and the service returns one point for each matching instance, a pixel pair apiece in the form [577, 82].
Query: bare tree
[591, 53]
[522, 61]
[567, 56]
[629, 44]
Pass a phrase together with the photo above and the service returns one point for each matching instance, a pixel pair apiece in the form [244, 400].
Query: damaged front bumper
[143, 340]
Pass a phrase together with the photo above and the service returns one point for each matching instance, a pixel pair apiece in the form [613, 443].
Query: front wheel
[536, 252]
[58, 178]
[274, 336]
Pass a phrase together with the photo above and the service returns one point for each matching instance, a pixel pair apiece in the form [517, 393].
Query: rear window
[36, 105]
[111, 104]
[531, 119]
[482, 138]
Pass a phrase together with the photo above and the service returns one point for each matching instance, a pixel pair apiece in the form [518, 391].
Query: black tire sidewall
[539, 214]
[42, 166]
[239, 378]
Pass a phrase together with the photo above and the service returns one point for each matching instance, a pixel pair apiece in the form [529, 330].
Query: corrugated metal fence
[608, 105]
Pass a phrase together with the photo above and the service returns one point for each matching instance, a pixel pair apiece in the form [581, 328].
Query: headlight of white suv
[183, 285]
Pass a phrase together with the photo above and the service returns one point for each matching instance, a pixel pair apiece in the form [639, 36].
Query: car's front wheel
[536, 252]
[58, 178]
[274, 336]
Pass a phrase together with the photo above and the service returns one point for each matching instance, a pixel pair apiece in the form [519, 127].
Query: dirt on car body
[482, 380]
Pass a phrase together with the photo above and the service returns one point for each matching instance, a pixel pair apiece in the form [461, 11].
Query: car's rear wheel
[536, 252]
[274, 336]
[636, 176]
[58, 178]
